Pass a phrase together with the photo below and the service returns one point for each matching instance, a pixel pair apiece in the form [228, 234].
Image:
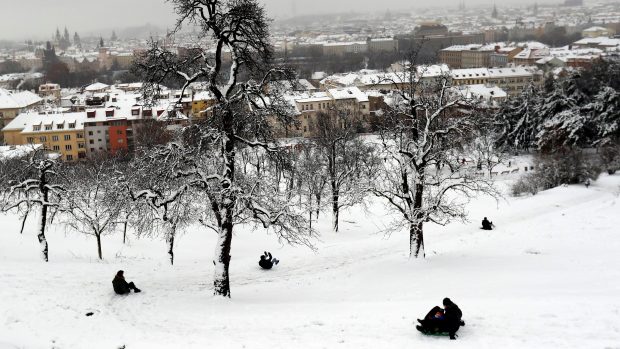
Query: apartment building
[372, 45]
[477, 56]
[78, 135]
[309, 106]
[512, 80]
[60, 133]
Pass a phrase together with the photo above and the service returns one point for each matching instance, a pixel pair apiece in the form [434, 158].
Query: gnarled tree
[232, 58]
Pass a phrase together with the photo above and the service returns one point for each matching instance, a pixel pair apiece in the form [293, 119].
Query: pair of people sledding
[447, 320]
[267, 261]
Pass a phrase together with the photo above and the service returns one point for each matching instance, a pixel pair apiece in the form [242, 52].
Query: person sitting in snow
[267, 261]
[442, 320]
[121, 286]
[486, 224]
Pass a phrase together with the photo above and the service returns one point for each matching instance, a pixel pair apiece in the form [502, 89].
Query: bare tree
[342, 153]
[162, 199]
[314, 178]
[93, 200]
[237, 31]
[35, 184]
[426, 128]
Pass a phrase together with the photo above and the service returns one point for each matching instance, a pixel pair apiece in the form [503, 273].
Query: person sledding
[486, 224]
[438, 320]
[267, 261]
[121, 286]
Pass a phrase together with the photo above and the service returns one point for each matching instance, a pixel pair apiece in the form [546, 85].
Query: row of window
[49, 127]
[118, 132]
[54, 138]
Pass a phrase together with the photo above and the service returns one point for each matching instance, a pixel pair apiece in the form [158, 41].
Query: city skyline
[120, 14]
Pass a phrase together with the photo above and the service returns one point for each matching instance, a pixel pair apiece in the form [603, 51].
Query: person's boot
[452, 336]
[276, 261]
[136, 290]
[421, 329]
[421, 322]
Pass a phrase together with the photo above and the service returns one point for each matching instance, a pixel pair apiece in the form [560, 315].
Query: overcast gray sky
[38, 19]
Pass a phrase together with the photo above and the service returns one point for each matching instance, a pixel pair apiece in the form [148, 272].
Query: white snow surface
[547, 277]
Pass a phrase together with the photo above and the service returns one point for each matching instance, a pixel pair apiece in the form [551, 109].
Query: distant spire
[495, 14]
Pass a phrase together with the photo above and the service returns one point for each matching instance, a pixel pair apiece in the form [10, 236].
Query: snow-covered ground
[548, 277]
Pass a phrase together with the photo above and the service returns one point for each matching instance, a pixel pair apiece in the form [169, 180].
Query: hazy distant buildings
[370, 45]
[573, 2]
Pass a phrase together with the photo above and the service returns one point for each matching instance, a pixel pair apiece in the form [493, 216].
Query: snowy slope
[548, 277]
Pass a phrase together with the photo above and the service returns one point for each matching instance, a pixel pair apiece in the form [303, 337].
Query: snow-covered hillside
[548, 277]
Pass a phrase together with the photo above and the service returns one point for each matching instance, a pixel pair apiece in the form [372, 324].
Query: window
[80, 135]
[43, 139]
[92, 150]
[54, 138]
[68, 147]
[36, 128]
[67, 137]
[82, 155]
[48, 127]
[91, 142]
[72, 125]
[81, 145]
[90, 133]
[30, 139]
[56, 148]
[120, 141]
[119, 132]
[69, 157]
[60, 126]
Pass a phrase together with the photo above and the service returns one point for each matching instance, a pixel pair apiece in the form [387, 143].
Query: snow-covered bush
[528, 184]
[610, 158]
[568, 166]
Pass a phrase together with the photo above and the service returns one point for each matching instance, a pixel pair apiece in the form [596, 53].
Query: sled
[436, 333]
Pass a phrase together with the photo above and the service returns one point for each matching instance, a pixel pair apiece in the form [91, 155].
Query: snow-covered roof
[482, 91]
[18, 151]
[595, 29]
[28, 122]
[314, 97]
[98, 86]
[600, 41]
[18, 100]
[348, 93]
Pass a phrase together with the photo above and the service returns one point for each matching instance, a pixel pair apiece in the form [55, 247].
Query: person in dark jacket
[267, 261]
[452, 317]
[442, 320]
[486, 224]
[121, 286]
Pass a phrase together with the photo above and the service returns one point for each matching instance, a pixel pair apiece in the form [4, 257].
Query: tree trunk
[26, 218]
[171, 235]
[125, 229]
[416, 240]
[416, 230]
[335, 206]
[221, 281]
[318, 205]
[98, 235]
[41, 234]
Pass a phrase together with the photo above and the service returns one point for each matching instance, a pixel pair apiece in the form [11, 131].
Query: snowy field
[548, 277]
